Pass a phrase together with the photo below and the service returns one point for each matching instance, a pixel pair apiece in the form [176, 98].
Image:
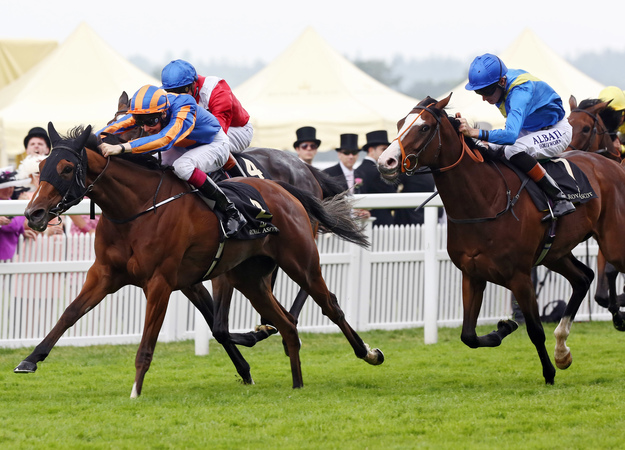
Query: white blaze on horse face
[393, 151]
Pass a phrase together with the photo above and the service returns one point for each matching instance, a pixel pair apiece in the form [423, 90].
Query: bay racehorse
[490, 238]
[262, 163]
[156, 234]
[594, 124]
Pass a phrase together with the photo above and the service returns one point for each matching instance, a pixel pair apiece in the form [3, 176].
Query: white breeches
[207, 157]
[542, 144]
[240, 137]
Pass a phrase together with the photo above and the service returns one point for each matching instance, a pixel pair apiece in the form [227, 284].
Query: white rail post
[430, 288]
[202, 334]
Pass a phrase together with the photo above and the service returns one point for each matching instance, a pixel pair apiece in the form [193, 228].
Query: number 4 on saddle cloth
[247, 199]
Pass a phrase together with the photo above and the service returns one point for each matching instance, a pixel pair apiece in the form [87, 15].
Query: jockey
[536, 127]
[189, 137]
[616, 97]
[213, 94]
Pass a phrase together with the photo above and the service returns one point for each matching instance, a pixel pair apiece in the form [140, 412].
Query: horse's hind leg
[201, 299]
[580, 276]
[94, 290]
[256, 286]
[602, 292]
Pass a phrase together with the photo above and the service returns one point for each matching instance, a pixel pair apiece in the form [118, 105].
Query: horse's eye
[586, 129]
[67, 170]
[425, 128]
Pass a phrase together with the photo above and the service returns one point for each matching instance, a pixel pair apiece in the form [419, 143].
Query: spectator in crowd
[213, 94]
[306, 144]
[372, 182]
[11, 228]
[36, 142]
[29, 170]
[414, 183]
[348, 155]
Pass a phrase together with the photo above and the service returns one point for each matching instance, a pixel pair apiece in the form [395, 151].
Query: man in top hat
[348, 155]
[36, 142]
[372, 182]
[306, 144]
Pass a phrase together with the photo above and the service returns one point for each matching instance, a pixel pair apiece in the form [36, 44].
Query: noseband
[409, 162]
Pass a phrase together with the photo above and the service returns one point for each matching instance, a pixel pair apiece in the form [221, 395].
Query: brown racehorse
[173, 245]
[593, 122]
[278, 166]
[492, 239]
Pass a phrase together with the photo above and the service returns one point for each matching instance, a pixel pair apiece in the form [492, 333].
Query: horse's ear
[123, 103]
[599, 107]
[443, 103]
[572, 102]
[54, 136]
[82, 139]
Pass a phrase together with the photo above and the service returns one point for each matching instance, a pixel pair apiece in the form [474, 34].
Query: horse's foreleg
[472, 296]
[523, 289]
[580, 276]
[201, 299]
[94, 290]
[618, 320]
[157, 293]
[602, 292]
[222, 293]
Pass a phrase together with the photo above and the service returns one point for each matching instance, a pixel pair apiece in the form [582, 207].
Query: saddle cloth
[569, 177]
[249, 167]
[251, 204]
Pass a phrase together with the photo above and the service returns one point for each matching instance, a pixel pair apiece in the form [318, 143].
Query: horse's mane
[441, 113]
[610, 117]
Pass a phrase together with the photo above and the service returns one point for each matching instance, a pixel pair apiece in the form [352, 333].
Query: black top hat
[37, 132]
[379, 137]
[306, 134]
[348, 142]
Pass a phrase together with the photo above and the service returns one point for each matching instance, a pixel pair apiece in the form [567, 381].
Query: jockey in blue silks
[536, 128]
[190, 139]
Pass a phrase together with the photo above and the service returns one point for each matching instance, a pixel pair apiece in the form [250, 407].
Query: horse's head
[63, 177]
[418, 140]
[592, 121]
[123, 105]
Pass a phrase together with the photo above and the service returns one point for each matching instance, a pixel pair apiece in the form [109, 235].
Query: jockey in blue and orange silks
[190, 139]
[535, 129]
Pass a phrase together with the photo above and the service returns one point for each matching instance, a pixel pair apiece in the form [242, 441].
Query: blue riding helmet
[178, 73]
[484, 71]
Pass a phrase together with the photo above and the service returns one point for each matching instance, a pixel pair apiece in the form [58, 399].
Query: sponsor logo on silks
[547, 139]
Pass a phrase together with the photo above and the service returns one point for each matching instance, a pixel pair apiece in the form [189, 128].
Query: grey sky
[244, 31]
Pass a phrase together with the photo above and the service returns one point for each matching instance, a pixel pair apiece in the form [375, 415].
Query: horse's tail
[329, 184]
[334, 214]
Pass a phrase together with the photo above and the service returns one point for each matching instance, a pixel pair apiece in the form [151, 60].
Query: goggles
[488, 90]
[149, 120]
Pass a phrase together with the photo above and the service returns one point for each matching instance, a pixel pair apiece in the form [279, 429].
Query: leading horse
[262, 163]
[154, 233]
[490, 238]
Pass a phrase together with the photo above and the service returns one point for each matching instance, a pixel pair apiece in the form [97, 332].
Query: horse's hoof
[25, 367]
[618, 323]
[564, 363]
[269, 329]
[509, 324]
[380, 358]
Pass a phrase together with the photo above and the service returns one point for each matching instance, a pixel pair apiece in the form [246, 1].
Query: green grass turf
[443, 396]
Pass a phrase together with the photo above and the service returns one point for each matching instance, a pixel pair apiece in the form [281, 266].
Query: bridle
[409, 162]
[594, 130]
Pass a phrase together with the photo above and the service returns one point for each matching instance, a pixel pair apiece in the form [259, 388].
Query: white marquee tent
[77, 83]
[312, 84]
[17, 56]
[529, 53]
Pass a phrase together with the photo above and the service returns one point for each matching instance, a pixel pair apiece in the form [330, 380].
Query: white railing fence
[405, 280]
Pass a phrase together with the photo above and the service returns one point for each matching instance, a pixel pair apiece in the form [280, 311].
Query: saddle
[570, 178]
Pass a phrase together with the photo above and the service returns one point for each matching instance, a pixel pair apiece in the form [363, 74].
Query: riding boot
[529, 165]
[234, 220]
[561, 204]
